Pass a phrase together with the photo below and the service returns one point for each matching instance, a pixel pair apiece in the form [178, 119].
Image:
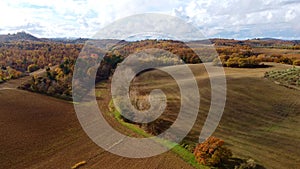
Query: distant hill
[257, 42]
[20, 36]
[23, 36]
[68, 40]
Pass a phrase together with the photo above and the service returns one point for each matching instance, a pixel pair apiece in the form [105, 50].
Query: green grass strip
[183, 153]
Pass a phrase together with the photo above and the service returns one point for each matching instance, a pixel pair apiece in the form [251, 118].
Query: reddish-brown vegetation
[212, 152]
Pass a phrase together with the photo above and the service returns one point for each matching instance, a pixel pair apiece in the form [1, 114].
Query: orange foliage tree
[212, 152]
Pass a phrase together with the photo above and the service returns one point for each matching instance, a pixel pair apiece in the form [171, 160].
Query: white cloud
[290, 15]
[85, 17]
[256, 16]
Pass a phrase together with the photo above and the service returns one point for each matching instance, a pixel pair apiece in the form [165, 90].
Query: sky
[238, 19]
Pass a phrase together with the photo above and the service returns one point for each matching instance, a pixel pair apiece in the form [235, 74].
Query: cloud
[84, 18]
[290, 2]
[234, 18]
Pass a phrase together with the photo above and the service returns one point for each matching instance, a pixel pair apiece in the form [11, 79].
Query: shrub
[233, 62]
[212, 152]
[249, 164]
[296, 62]
[286, 60]
[13, 73]
[32, 68]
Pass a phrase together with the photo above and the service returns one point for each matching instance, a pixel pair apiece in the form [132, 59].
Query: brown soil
[261, 119]
[38, 131]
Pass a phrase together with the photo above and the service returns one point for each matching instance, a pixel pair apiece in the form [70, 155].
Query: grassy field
[260, 120]
[176, 148]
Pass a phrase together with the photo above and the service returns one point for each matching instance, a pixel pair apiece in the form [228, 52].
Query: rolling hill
[260, 120]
